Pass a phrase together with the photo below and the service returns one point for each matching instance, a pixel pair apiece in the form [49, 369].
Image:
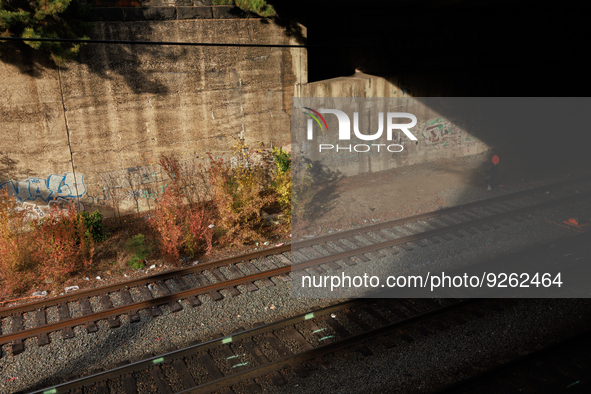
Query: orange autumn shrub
[179, 218]
[34, 250]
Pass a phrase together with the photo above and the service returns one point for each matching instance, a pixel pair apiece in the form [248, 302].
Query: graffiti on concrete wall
[438, 131]
[138, 175]
[35, 211]
[130, 183]
[47, 189]
[441, 133]
[37, 196]
[137, 187]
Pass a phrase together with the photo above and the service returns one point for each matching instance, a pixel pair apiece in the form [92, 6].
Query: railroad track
[274, 349]
[562, 367]
[253, 270]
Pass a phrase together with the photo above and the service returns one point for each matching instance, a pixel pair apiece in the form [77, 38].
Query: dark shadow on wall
[535, 138]
[292, 28]
[101, 59]
[291, 18]
[325, 182]
[493, 49]
[9, 169]
[28, 60]
[126, 60]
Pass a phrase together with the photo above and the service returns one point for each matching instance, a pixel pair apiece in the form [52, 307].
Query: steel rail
[439, 231]
[142, 281]
[236, 337]
[274, 272]
[200, 347]
[288, 361]
[136, 306]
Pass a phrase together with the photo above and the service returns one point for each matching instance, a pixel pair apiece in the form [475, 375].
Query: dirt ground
[372, 197]
[110, 262]
[363, 199]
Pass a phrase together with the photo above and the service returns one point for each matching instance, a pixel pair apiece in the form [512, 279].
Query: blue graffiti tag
[31, 189]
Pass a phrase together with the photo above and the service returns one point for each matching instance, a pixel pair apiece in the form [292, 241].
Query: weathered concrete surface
[33, 138]
[125, 105]
[438, 137]
[135, 12]
[357, 85]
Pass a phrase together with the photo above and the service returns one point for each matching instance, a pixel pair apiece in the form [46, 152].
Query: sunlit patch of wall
[437, 136]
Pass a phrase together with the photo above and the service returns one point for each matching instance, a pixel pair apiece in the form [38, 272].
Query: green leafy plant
[45, 19]
[259, 7]
[282, 160]
[139, 250]
[94, 225]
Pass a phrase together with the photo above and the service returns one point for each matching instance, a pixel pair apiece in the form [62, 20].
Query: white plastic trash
[39, 293]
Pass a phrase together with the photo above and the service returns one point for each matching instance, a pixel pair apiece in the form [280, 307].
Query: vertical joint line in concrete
[241, 105]
[59, 77]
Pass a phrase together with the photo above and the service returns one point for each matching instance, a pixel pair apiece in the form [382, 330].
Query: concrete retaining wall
[102, 121]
